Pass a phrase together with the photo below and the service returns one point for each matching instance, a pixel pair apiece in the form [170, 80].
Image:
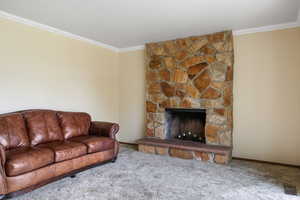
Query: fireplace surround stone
[191, 73]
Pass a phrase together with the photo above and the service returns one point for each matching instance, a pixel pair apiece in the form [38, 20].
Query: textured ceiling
[126, 23]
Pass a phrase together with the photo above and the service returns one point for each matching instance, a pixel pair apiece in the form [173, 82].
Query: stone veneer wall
[193, 72]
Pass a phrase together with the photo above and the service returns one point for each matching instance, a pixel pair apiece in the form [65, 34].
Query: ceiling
[127, 23]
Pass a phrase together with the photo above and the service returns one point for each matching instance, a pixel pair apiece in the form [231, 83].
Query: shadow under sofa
[40, 146]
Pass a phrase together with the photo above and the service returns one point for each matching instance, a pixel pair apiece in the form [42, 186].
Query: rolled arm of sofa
[105, 129]
[3, 183]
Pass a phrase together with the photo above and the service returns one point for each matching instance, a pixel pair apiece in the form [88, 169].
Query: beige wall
[40, 69]
[266, 96]
[132, 95]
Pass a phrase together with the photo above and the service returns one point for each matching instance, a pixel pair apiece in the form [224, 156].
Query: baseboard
[266, 162]
[238, 158]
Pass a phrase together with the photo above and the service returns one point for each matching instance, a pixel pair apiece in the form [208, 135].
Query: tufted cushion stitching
[48, 127]
[74, 123]
[13, 131]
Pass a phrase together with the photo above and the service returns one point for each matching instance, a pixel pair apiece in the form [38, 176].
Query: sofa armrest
[105, 129]
[3, 183]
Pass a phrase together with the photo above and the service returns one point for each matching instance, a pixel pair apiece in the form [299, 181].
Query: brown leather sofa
[41, 146]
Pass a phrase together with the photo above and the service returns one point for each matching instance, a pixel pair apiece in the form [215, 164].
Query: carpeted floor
[139, 176]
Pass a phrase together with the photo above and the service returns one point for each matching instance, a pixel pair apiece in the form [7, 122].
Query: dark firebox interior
[186, 124]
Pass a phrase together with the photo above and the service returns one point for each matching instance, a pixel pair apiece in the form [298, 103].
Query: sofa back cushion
[13, 131]
[43, 126]
[74, 123]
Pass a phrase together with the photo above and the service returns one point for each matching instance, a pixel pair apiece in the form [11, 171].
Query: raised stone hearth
[186, 150]
[191, 73]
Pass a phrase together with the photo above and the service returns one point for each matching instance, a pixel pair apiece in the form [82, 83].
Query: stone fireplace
[189, 96]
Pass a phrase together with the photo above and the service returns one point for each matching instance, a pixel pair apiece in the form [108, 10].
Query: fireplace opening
[186, 124]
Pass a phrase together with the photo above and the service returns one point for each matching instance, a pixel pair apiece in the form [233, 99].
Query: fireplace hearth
[185, 124]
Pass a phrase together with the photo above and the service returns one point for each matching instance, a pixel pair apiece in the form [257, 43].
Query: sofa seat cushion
[65, 150]
[95, 143]
[26, 159]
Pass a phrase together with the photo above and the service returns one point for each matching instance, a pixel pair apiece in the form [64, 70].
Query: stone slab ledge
[186, 150]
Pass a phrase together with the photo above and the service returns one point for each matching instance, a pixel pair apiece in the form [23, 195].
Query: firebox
[185, 124]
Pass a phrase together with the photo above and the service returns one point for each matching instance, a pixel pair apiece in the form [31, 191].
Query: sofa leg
[114, 159]
[73, 176]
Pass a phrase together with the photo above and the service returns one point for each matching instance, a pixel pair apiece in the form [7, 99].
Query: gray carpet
[137, 175]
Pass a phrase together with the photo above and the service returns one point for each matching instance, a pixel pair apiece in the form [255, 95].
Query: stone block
[218, 71]
[225, 57]
[216, 37]
[207, 50]
[162, 150]
[221, 159]
[195, 69]
[167, 89]
[146, 148]
[170, 47]
[212, 103]
[220, 111]
[192, 91]
[180, 93]
[150, 132]
[154, 88]
[225, 138]
[164, 75]
[179, 153]
[152, 76]
[160, 132]
[158, 50]
[210, 58]
[202, 81]
[179, 76]
[182, 43]
[169, 103]
[151, 107]
[211, 134]
[157, 98]
[218, 85]
[219, 46]
[155, 62]
[203, 156]
[229, 73]
[186, 103]
[216, 119]
[198, 44]
[227, 96]
[180, 55]
[193, 61]
[211, 93]
[169, 62]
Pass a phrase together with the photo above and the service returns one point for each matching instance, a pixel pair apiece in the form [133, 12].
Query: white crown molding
[269, 28]
[139, 47]
[134, 48]
[266, 28]
[54, 30]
